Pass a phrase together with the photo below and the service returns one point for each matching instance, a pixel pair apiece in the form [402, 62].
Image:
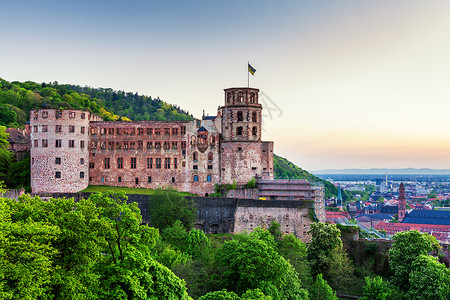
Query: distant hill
[381, 171]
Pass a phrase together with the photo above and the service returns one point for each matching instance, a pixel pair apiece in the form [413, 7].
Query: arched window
[239, 130]
[240, 97]
[213, 140]
[210, 156]
[192, 140]
[252, 98]
[228, 97]
[254, 117]
[195, 156]
[254, 131]
[240, 117]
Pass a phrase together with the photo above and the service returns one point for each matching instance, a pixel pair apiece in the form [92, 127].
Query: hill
[17, 99]
[383, 171]
[283, 168]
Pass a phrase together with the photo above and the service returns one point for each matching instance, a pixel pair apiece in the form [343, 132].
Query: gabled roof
[209, 117]
[436, 217]
[16, 136]
[375, 216]
[202, 129]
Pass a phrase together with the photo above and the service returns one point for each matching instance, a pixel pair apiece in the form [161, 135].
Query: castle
[71, 149]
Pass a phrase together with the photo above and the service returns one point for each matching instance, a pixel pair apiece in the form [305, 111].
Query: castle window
[213, 140]
[35, 128]
[125, 145]
[136, 180]
[81, 144]
[195, 178]
[81, 175]
[140, 145]
[174, 145]
[140, 131]
[239, 130]
[166, 145]
[149, 145]
[183, 164]
[58, 128]
[210, 157]
[57, 174]
[158, 132]
[83, 129]
[195, 167]
[71, 129]
[174, 131]
[158, 145]
[132, 131]
[91, 165]
[44, 128]
[35, 115]
[44, 143]
[119, 179]
[132, 145]
[167, 163]
[93, 131]
[208, 178]
[57, 160]
[120, 163]
[102, 179]
[110, 145]
[110, 131]
[175, 163]
[254, 131]
[149, 163]
[167, 131]
[210, 167]
[239, 149]
[228, 97]
[149, 131]
[158, 163]
[254, 117]
[58, 143]
[71, 143]
[133, 163]
[240, 117]
[252, 98]
[253, 168]
[81, 161]
[58, 114]
[107, 163]
[183, 145]
[149, 179]
[183, 129]
[125, 131]
[173, 179]
[240, 97]
[72, 115]
[83, 116]
[195, 156]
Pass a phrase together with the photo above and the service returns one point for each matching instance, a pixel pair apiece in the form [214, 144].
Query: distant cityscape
[372, 201]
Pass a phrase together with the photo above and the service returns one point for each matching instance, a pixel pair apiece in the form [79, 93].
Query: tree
[376, 289]
[407, 247]
[251, 261]
[324, 239]
[321, 290]
[167, 206]
[5, 155]
[220, 295]
[429, 279]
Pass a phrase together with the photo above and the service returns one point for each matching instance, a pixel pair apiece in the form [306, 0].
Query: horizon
[351, 85]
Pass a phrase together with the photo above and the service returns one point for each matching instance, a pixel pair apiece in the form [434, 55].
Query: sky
[346, 84]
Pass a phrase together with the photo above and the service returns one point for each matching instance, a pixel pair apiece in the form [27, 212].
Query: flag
[251, 69]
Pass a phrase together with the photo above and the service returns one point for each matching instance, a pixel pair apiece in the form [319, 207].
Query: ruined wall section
[59, 150]
[293, 216]
[153, 154]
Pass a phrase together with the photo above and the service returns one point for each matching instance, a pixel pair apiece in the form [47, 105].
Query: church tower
[243, 154]
[401, 203]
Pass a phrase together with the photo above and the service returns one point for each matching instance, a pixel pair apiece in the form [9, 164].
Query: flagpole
[248, 76]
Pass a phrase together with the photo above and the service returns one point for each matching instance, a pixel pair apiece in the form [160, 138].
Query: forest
[98, 248]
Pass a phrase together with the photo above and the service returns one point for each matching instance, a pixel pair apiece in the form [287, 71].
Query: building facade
[71, 149]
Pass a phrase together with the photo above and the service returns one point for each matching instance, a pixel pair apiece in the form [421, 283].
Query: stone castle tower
[401, 203]
[243, 154]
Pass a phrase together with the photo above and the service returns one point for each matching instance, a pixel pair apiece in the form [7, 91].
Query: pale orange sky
[360, 84]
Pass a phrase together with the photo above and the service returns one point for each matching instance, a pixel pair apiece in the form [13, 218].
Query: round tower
[59, 150]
